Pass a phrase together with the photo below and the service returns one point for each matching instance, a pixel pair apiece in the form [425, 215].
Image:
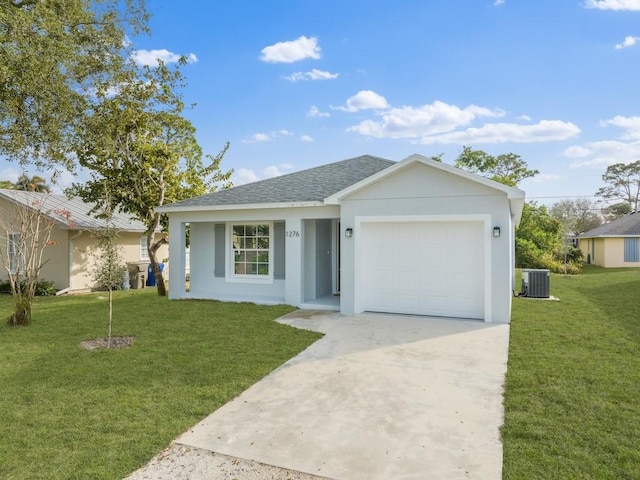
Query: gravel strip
[180, 462]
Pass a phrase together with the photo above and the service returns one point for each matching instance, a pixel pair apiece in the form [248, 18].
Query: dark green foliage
[52, 54]
[540, 242]
[509, 169]
[143, 153]
[44, 288]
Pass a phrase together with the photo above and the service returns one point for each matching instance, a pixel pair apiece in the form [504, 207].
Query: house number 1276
[292, 233]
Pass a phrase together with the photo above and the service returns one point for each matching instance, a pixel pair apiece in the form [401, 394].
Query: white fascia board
[516, 205]
[512, 192]
[247, 206]
[613, 235]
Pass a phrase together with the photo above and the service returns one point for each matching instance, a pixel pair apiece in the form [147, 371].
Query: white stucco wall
[419, 190]
[204, 284]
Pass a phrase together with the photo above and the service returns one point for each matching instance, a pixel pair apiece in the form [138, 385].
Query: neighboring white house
[364, 234]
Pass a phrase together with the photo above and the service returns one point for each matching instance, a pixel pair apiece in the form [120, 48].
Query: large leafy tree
[576, 216]
[622, 182]
[141, 152]
[538, 238]
[52, 55]
[507, 168]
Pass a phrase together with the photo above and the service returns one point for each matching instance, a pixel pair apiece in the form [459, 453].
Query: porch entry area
[321, 264]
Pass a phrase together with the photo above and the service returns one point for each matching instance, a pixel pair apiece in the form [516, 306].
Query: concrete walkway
[379, 397]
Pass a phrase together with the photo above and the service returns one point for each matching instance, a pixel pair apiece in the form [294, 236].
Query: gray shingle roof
[627, 225]
[79, 218]
[312, 185]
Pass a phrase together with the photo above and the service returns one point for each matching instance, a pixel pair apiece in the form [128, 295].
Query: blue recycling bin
[151, 278]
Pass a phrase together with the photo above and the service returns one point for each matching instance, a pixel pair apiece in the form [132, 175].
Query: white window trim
[231, 276]
[13, 256]
[144, 253]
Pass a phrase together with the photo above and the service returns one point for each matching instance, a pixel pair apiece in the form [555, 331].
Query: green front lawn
[572, 401]
[69, 413]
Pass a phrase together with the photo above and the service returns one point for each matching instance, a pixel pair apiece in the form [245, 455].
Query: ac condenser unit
[535, 283]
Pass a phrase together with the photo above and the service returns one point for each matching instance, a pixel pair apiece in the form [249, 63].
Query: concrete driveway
[379, 397]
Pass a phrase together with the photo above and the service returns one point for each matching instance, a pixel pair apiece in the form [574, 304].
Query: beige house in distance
[614, 244]
[70, 257]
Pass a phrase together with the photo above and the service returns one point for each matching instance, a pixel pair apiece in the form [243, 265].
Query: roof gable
[626, 226]
[56, 208]
[309, 186]
[515, 195]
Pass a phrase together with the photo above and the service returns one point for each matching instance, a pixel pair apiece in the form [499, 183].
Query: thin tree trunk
[160, 284]
[110, 317]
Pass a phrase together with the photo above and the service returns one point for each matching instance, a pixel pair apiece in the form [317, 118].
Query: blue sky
[293, 84]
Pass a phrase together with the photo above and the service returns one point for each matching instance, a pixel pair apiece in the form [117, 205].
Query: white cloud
[545, 177]
[576, 151]
[259, 137]
[442, 123]
[613, 4]
[629, 41]
[411, 122]
[314, 74]
[307, 138]
[526, 118]
[151, 57]
[242, 176]
[314, 112]
[291, 51]
[607, 152]
[543, 131]
[631, 125]
[267, 137]
[633, 5]
[498, 2]
[364, 100]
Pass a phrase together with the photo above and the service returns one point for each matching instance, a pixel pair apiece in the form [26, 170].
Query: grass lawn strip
[573, 380]
[71, 413]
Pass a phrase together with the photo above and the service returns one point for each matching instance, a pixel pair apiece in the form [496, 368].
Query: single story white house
[364, 234]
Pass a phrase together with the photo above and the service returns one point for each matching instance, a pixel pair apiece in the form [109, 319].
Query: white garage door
[426, 268]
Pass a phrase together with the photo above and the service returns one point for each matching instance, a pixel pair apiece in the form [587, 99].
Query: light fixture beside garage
[496, 232]
[348, 232]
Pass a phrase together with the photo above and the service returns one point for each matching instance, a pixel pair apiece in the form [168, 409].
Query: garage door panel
[381, 302]
[432, 283]
[428, 268]
[434, 236]
[409, 255]
[435, 256]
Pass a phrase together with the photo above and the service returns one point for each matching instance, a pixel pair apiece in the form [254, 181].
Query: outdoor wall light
[496, 231]
[348, 232]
